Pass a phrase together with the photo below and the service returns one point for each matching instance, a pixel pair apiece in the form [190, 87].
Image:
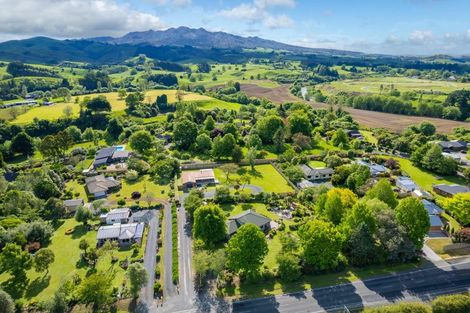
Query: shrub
[462, 235]
[451, 304]
[121, 202]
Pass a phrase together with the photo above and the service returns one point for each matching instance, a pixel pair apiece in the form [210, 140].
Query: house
[406, 184]
[247, 217]
[434, 213]
[450, 190]
[355, 134]
[99, 185]
[72, 205]
[121, 216]
[453, 146]
[110, 155]
[314, 174]
[198, 178]
[375, 169]
[142, 216]
[124, 234]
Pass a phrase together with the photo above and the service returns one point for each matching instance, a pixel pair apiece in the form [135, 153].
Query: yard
[41, 287]
[145, 186]
[439, 245]
[316, 164]
[264, 176]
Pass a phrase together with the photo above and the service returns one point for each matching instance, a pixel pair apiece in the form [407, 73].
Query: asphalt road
[417, 285]
[169, 289]
[150, 259]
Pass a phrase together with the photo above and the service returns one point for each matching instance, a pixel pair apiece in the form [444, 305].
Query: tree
[15, 261]
[321, 242]
[237, 154]
[42, 259]
[193, 201]
[222, 195]
[384, 192]
[53, 209]
[360, 214]
[412, 215]
[294, 173]
[338, 201]
[451, 304]
[268, 126]
[253, 141]
[206, 263]
[246, 249]
[288, 266]
[184, 134]
[122, 94]
[360, 246]
[229, 169]
[458, 206]
[96, 289]
[83, 215]
[203, 143]
[298, 122]
[210, 224]
[209, 123]
[138, 277]
[141, 141]
[223, 147]
[115, 128]
[6, 303]
[427, 129]
[99, 104]
[340, 137]
[251, 157]
[83, 245]
[22, 143]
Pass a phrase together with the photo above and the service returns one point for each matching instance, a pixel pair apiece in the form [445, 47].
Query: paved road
[150, 259]
[423, 284]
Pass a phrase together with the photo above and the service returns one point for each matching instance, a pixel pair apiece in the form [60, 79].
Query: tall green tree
[43, 259]
[99, 104]
[298, 122]
[6, 302]
[184, 134]
[22, 143]
[384, 192]
[96, 290]
[141, 141]
[246, 250]
[138, 277]
[412, 215]
[83, 215]
[268, 126]
[15, 261]
[210, 224]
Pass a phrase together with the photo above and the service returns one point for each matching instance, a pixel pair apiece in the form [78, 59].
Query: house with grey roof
[406, 184]
[120, 215]
[72, 205]
[453, 146]
[110, 155]
[375, 169]
[316, 174]
[434, 213]
[125, 234]
[247, 217]
[99, 186]
[450, 190]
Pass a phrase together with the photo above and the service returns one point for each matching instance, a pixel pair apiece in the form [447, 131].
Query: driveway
[150, 259]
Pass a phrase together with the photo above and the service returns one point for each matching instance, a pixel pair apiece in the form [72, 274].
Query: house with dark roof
[247, 217]
[375, 169]
[355, 134]
[453, 146]
[125, 234]
[72, 205]
[99, 186]
[110, 155]
[450, 190]
[434, 213]
[316, 174]
[198, 178]
[120, 215]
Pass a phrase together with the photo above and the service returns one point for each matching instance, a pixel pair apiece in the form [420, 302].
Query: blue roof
[435, 220]
[431, 207]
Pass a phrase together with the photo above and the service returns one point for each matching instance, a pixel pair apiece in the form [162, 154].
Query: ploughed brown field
[393, 122]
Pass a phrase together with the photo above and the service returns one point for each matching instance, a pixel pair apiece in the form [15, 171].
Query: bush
[404, 307]
[157, 287]
[121, 202]
[451, 304]
[462, 235]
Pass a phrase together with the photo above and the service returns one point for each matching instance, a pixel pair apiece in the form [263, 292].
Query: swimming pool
[120, 148]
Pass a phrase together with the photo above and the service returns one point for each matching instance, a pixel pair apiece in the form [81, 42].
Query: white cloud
[421, 37]
[176, 3]
[281, 21]
[72, 18]
[258, 12]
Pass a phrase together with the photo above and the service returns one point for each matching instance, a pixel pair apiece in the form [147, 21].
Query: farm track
[393, 122]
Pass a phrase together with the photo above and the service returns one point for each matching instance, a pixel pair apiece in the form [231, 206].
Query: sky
[401, 27]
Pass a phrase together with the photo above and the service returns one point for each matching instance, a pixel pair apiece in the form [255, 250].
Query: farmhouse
[454, 146]
[198, 178]
[121, 215]
[72, 205]
[450, 190]
[247, 217]
[124, 234]
[315, 174]
[99, 186]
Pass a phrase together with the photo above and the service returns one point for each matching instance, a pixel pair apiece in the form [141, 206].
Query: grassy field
[76, 188]
[56, 111]
[316, 164]
[264, 176]
[372, 85]
[143, 185]
[67, 261]
[439, 244]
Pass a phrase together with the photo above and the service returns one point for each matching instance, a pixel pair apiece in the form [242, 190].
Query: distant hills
[203, 39]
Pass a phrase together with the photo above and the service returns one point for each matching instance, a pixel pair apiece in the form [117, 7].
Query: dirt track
[371, 119]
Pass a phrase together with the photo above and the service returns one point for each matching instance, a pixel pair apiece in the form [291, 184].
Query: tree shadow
[326, 300]
[15, 286]
[37, 286]
[267, 304]
[79, 231]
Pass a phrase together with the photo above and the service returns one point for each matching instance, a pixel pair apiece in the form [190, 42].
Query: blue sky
[375, 26]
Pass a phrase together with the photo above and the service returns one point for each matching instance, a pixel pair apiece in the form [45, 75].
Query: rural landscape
[189, 170]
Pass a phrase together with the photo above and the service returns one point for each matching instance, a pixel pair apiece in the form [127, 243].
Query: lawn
[143, 185]
[67, 262]
[76, 187]
[56, 111]
[264, 176]
[316, 164]
[369, 136]
[439, 244]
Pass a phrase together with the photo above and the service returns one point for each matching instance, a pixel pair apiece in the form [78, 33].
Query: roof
[247, 217]
[195, 176]
[452, 189]
[141, 214]
[120, 213]
[435, 221]
[374, 168]
[305, 184]
[406, 181]
[73, 202]
[120, 231]
[453, 144]
[431, 207]
[323, 170]
[121, 154]
[100, 183]
[98, 162]
[105, 153]
[306, 169]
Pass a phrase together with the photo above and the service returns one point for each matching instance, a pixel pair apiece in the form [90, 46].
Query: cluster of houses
[456, 150]
[123, 226]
